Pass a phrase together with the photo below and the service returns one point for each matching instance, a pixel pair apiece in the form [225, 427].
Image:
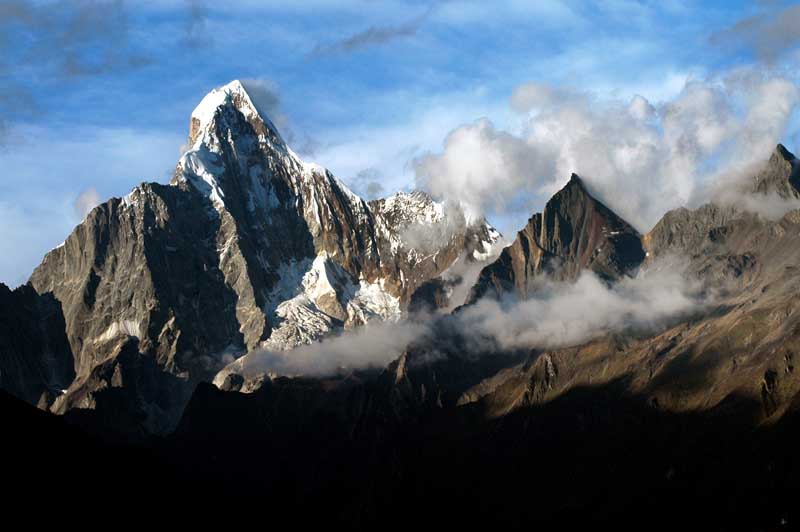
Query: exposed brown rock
[780, 175]
[575, 232]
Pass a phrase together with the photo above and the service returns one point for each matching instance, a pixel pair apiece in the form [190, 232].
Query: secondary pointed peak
[781, 151]
[575, 182]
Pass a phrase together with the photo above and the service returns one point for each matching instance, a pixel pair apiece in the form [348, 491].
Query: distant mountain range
[249, 249]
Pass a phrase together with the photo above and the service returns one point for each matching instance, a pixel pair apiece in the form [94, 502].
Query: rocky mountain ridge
[737, 259]
[741, 342]
[153, 291]
[248, 247]
[698, 415]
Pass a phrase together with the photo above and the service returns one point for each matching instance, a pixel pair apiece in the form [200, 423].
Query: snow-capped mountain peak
[248, 248]
[236, 95]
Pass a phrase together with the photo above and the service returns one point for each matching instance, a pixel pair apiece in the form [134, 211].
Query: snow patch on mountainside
[118, 329]
[312, 298]
[298, 322]
[201, 168]
[373, 301]
[326, 278]
[491, 248]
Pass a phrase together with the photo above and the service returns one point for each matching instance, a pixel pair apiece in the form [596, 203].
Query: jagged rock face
[127, 394]
[742, 344]
[739, 351]
[248, 247]
[725, 246]
[144, 267]
[683, 231]
[426, 239]
[35, 358]
[575, 232]
[780, 175]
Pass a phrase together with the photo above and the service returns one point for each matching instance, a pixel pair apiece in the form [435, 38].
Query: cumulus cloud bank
[641, 158]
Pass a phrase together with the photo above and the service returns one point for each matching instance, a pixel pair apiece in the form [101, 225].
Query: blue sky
[96, 96]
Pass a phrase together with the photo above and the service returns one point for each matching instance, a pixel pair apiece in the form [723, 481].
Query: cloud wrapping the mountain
[483, 168]
[557, 315]
[430, 236]
[372, 345]
[770, 206]
[561, 314]
[264, 94]
[640, 158]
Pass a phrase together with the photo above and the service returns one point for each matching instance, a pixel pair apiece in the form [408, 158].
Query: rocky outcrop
[575, 232]
[780, 175]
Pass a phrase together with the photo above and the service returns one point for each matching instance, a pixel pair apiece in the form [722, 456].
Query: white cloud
[386, 148]
[561, 314]
[640, 158]
[482, 169]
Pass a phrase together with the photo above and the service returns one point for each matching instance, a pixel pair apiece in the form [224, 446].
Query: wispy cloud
[559, 314]
[266, 96]
[65, 42]
[86, 201]
[371, 345]
[64, 39]
[769, 33]
[197, 34]
[79, 38]
[372, 36]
